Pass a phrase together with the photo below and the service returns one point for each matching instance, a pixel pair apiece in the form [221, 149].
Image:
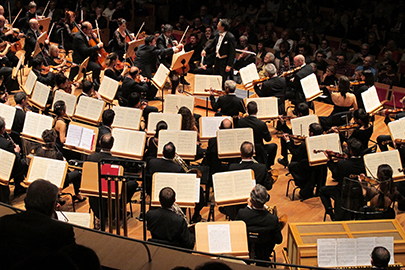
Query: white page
[388, 157]
[172, 120]
[310, 85]
[30, 82]
[219, 238]
[230, 140]
[80, 219]
[364, 247]
[87, 139]
[302, 124]
[397, 129]
[8, 113]
[249, 73]
[346, 251]
[124, 141]
[370, 99]
[210, 125]
[173, 103]
[244, 182]
[40, 94]
[74, 135]
[108, 88]
[127, 117]
[202, 82]
[388, 243]
[232, 185]
[56, 172]
[31, 124]
[89, 108]
[266, 106]
[184, 140]
[181, 183]
[69, 99]
[44, 122]
[326, 252]
[161, 75]
[197, 189]
[7, 163]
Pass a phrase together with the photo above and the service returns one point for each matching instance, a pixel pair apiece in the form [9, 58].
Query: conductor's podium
[302, 237]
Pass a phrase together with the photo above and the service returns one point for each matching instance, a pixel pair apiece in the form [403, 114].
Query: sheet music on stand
[230, 140]
[267, 107]
[202, 82]
[371, 101]
[40, 95]
[108, 89]
[210, 125]
[89, 109]
[322, 142]
[69, 99]
[174, 102]
[81, 137]
[40, 40]
[248, 74]
[35, 124]
[7, 163]
[17, 68]
[128, 143]
[160, 76]
[49, 169]
[184, 140]
[300, 125]
[82, 66]
[8, 113]
[178, 59]
[173, 121]
[128, 118]
[392, 158]
[30, 83]
[310, 87]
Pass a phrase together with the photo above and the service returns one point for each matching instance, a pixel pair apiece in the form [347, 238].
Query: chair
[397, 94]
[261, 247]
[382, 91]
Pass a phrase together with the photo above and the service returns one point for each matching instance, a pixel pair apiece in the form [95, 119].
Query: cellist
[82, 50]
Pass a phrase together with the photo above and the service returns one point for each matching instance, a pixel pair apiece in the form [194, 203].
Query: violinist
[328, 78]
[9, 35]
[340, 169]
[299, 166]
[70, 28]
[63, 83]
[31, 14]
[297, 93]
[135, 101]
[82, 49]
[112, 71]
[53, 60]
[120, 39]
[88, 90]
[300, 110]
[368, 78]
[31, 36]
[45, 77]
[135, 82]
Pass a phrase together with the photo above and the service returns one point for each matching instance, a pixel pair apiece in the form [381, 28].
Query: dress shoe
[195, 219]
[283, 161]
[77, 200]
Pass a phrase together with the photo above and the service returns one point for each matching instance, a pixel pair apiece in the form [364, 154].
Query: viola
[362, 177]
[331, 153]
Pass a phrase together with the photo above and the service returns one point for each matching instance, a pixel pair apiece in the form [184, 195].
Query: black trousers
[219, 69]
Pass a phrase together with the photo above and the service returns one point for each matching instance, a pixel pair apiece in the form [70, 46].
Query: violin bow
[98, 31]
[43, 13]
[140, 28]
[9, 12]
[16, 17]
[185, 32]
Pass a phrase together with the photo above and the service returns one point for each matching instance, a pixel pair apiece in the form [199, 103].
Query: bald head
[226, 124]
[34, 24]
[299, 60]
[133, 72]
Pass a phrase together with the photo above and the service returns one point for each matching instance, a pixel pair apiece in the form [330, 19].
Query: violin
[216, 92]
[355, 83]
[257, 81]
[396, 141]
[119, 66]
[290, 72]
[391, 111]
[344, 128]
[331, 153]
[293, 137]
[362, 177]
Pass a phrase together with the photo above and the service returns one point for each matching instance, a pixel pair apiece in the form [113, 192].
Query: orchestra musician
[82, 50]
[10, 36]
[21, 102]
[31, 14]
[134, 101]
[62, 83]
[88, 90]
[70, 28]
[341, 169]
[297, 94]
[151, 144]
[107, 119]
[112, 71]
[228, 104]
[196, 46]
[31, 36]
[224, 44]
[121, 38]
[368, 78]
[38, 68]
[299, 166]
[135, 82]
[53, 60]
[265, 153]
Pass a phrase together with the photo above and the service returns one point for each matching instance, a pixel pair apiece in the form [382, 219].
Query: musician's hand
[211, 91]
[97, 94]
[9, 32]
[100, 45]
[47, 41]
[228, 68]
[292, 79]
[286, 137]
[17, 148]
[203, 53]
[335, 129]
[280, 118]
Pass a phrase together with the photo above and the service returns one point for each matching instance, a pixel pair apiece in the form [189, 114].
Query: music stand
[82, 67]
[40, 40]
[132, 46]
[45, 24]
[179, 61]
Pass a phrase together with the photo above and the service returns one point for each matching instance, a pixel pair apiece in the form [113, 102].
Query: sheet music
[184, 140]
[161, 75]
[127, 117]
[7, 163]
[232, 185]
[35, 124]
[370, 99]
[346, 251]
[69, 99]
[310, 86]
[89, 108]
[8, 113]
[364, 247]
[74, 135]
[326, 252]
[266, 106]
[210, 125]
[18, 66]
[322, 142]
[202, 82]
[181, 183]
[87, 138]
[49, 169]
[388, 243]
[397, 129]
[30, 82]
[108, 88]
[392, 158]
[128, 141]
[197, 189]
[304, 122]
[172, 120]
[249, 73]
[76, 218]
[230, 140]
[173, 103]
[219, 238]
[40, 94]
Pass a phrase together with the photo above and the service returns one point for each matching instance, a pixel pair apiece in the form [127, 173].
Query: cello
[101, 52]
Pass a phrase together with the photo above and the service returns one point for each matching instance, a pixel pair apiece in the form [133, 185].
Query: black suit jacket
[296, 84]
[18, 124]
[260, 171]
[211, 158]
[346, 167]
[262, 222]
[145, 58]
[161, 45]
[227, 47]
[96, 157]
[30, 41]
[165, 225]
[82, 49]
[31, 233]
[6, 144]
[129, 85]
[229, 105]
[103, 129]
[275, 87]
[163, 165]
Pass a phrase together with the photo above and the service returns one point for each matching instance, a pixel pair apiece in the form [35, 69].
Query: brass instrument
[177, 210]
[178, 160]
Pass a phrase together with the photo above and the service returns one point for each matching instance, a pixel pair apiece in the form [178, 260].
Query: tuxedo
[296, 84]
[260, 171]
[129, 85]
[146, 60]
[33, 234]
[30, 40]
[162, 45]
[18, 124]
[229, 105]
[265, 154]
[167, 226]
[275, 87]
